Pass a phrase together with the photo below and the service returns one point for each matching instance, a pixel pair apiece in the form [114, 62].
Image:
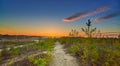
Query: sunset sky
[57, 17]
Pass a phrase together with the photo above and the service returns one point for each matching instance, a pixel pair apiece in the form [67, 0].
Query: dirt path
[60, 58]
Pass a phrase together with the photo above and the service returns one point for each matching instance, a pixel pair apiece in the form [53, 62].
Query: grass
[37, 60]
[46, 45]
[89, 51]
[14, 43]
[94, 51]
[42, 61]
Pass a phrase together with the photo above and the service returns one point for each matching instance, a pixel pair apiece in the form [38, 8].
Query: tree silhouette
[74, 33]
[88, 30]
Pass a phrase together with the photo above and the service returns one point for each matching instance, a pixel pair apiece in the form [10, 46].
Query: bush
[74, 48]
[41, 61]
[93, 51]
[14, 51]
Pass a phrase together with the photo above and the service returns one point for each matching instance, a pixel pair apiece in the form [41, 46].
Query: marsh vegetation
[35, 54]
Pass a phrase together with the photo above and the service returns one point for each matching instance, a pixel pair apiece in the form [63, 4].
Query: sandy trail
[60, 58]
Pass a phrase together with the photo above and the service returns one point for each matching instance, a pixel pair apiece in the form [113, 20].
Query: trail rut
[60, 58]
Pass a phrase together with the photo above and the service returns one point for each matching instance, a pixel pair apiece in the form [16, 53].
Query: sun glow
[47, 28]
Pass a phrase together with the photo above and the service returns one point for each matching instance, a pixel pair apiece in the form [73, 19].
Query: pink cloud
[82, 15]
[106, 17]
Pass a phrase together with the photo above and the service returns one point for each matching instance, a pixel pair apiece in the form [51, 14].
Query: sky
[57, 17]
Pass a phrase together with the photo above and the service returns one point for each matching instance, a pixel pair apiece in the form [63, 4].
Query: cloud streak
[85, 14]
[106, 17]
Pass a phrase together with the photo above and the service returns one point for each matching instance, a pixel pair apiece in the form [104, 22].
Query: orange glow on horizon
[46, 29]
[44, 32]
[34, 33]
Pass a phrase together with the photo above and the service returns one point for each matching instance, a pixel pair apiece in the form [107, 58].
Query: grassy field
[93, 51]
[35, 54]
[88, 51]
[14, 43]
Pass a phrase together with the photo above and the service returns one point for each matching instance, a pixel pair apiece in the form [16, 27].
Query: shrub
[14, 51]
[41, 61]
[94, 52]
[74, 48]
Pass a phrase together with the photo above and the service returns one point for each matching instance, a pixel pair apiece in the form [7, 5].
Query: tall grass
[39, 47]
[94, 51]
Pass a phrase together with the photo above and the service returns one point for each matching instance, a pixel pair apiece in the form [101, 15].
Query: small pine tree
[88, 31]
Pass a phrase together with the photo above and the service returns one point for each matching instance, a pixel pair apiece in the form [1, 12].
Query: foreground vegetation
[14, 43]
[93, 51]
[36, 54]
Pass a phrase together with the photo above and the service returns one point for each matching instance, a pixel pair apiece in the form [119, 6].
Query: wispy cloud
[85, 14]
[106, 17]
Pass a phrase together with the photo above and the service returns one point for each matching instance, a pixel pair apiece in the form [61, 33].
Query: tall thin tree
[88, 30]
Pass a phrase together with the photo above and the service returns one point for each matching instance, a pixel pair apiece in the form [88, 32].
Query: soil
[60, 58]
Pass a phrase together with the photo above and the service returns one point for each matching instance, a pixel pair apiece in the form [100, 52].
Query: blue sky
[41, 16]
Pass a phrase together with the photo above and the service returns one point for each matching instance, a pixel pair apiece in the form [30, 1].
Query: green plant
[14, 51]
[48, 44]
[74, 48]
[31, 58]
[84, 57]
[94, 53]
[41, 61]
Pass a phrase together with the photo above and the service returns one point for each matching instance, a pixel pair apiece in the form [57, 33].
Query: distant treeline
[6, 36]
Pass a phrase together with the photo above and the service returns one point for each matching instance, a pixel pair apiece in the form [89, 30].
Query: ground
[60, 58]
